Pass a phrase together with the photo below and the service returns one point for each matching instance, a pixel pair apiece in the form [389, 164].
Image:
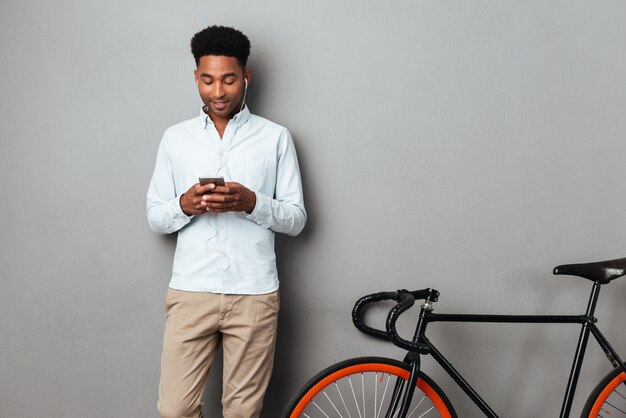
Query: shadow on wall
[291, 342]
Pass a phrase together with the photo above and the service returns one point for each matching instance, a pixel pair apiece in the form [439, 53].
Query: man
[224, 285]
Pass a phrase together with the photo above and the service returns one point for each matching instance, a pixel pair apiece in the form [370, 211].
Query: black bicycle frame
[588, 326]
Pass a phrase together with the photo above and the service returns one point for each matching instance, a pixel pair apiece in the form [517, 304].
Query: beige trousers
[196, 324]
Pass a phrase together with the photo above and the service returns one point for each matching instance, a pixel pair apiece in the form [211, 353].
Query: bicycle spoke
[617, 391]
[615, 407]
[355, 401]
[417, 406]
[431, 408]
[363, 392]
[397, 396]
[331, 402]
[375, 393]
[342, 401]
[321, 410]
[382, 400]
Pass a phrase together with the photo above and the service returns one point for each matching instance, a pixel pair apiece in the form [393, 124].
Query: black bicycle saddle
[600, 271]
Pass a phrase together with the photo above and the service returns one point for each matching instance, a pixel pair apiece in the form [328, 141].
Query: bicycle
[359, 387]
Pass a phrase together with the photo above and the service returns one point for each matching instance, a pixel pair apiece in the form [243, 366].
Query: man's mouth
[220, 104]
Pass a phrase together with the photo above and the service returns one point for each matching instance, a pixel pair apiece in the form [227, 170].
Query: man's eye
[229, 82]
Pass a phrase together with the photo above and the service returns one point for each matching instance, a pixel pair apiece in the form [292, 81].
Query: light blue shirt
[230, 252]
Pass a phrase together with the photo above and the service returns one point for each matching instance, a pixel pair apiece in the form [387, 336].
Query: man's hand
[232, 197]
[191, 201]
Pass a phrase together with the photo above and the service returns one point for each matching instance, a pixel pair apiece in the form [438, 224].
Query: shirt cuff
[178, 217]
[262, 213]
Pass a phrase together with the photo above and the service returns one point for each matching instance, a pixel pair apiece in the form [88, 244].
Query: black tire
[608, 399]
[338, 379]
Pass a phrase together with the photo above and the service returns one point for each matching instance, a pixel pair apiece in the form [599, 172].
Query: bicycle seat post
[580, 350]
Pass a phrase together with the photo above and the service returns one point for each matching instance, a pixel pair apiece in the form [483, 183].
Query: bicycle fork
[404, 390]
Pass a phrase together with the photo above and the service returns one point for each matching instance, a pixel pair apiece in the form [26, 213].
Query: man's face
[220, 82]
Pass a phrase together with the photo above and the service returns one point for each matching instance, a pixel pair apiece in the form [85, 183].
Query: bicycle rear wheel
[363, 387]
[608, 399]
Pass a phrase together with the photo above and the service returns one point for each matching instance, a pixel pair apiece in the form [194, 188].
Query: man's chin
[226, 113]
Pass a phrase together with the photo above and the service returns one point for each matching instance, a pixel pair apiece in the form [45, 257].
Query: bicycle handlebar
[405, 300]
[359, 306]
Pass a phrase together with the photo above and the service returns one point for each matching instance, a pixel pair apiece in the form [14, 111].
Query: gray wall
[466, 146]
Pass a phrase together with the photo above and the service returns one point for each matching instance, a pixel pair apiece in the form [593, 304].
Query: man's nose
[219, 90]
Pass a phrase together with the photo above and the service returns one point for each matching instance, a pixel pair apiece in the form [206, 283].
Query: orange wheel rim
[369, 367]
[597, 406]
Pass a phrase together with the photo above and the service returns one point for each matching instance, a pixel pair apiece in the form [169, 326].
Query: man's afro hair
[221, 40]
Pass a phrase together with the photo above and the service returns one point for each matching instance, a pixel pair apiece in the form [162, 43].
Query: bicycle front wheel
[608, 399]
[364, 387]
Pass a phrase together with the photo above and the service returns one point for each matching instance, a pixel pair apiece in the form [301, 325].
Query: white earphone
[245, 92]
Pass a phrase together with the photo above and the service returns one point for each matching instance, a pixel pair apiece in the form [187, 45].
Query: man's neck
[220, 124]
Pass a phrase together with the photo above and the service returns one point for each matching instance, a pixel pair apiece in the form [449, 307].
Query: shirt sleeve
[284, 212]
[162, 206]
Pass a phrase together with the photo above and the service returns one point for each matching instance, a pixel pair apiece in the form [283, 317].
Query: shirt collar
[240, 118]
